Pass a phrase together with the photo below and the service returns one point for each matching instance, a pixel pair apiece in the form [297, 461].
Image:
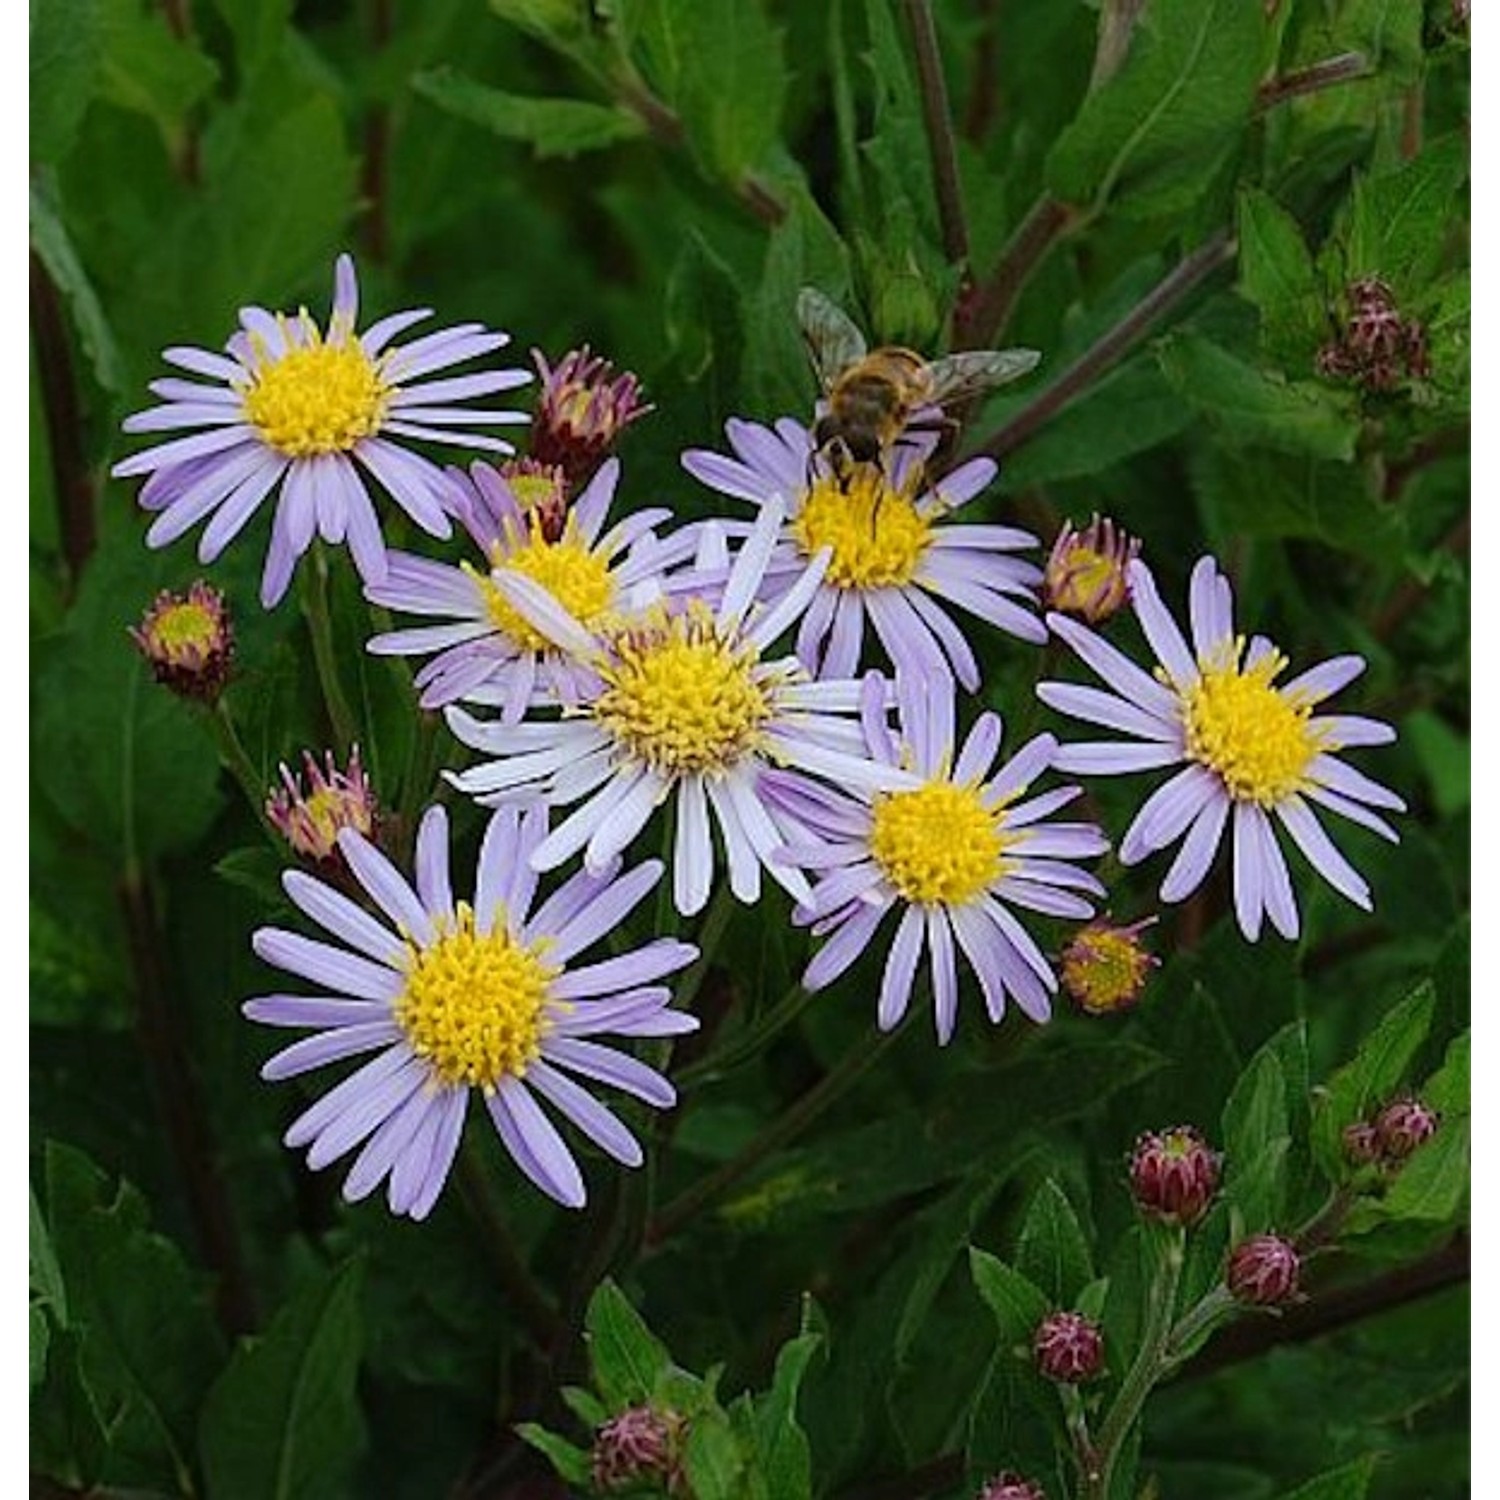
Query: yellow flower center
[577, 578]
[939, 844]
[1083, 577]
[183, 626]
[319, 397]
[1104, 968]
[680, 697]
[874, 530]
[1255, 736]
[533, 490]
[473, 1005]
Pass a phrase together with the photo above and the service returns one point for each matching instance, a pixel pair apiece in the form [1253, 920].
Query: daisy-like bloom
[312, 820]
[189, 641]
[297, 407]
[455, 996]
[581, 410]
[893, 560]
[1247, 747]
[487, 642]
[953, 853]
[1086, 570]
[681, 704]
[1105, 967]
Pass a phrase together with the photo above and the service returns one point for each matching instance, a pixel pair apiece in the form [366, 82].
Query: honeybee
[873, 394]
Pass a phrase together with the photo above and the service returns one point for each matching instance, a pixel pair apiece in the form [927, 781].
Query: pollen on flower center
[473, 1005]
[320, 397]
[938, 844]
[1258, 738]
[874, 530]
[680, 697]
[186, 625]
[576, 577]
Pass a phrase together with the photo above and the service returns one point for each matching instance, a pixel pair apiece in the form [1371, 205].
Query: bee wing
[958, 376]
[833, 341]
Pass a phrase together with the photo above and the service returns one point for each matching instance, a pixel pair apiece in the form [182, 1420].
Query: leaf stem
[938, 118]
[236, 760]
[989, 311]
[1344, 68]
[740, 1049]
[1113, 345]
[320, 627]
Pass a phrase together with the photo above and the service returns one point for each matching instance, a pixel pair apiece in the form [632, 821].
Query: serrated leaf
[570, 1461]
[552, 127]
[1348, 1482]
[1052, 1250]
[625, 1356]
[1157, 131]
[65, 49]
[1254, 406]
[1277, 275]
[283, 1421]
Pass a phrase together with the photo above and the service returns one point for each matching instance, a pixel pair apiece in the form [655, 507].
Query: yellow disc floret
[577, 578]
[876, 534]
[679, 696]
[318, 397]
[1104, 968]
[184, 627]
[1257, 737]
[939, 844]
[474, 1004]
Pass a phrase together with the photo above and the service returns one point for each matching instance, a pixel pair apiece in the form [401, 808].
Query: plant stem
[532, 1307]
[834, 1085]
[236, 760]
[1195, 1322]
[984, 85]
[1141, 1376]
[987, 315]
[1344, 68]
[1113, 344]
[320, 627]
[770, 1023]
[938, 119]
[377, 139]
[1117, 20]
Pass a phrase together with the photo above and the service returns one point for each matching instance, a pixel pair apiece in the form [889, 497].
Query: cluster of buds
[581, 410]
[1263, 1271]
[1104, 967]
[1174, 1175]
[1377, 348]
[1011, 1486]
[643, 1444]
[189, 641]
[312, 820]
[1392, 1136]
[1069, 1348]
[1087, 571]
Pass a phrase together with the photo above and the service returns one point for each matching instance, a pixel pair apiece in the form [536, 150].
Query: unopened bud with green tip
[1087, 572]
[1263, 1271]
[1174, 1175]
[1069, 1348]
[188, 640]
[641, 1445]
[581, 410]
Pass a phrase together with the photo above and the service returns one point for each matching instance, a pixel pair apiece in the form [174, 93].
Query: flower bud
[1010, 1486]
[1263, 1271]
[1104, 967]
[1402, 1126]
[1068, 1347]
[581, 411]
[189, 641]
[642, 1443]
[311, 821]
[1361, 1144]
[1174, 1175]
[1086, 573]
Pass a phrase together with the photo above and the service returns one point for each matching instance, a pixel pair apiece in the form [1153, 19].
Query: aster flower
[295, 407]
[1247, 747]
[311, 821]
[893, 561]
[487, 642]
[581, 410]
[1085, 572]
[682, 704]
[188, 639]
[953, 852]
[454, 996]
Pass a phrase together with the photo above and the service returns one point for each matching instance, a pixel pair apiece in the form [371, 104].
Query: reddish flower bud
[1263, 1271]
[642, 1443]
[1361, 1143]
[1068, 1347]
[1010, 1486]
[189, 641]
[1402, 1126]
[1174, 1175]
[1086, 571]
[311, 821]
[1104, 967]
[581, 411]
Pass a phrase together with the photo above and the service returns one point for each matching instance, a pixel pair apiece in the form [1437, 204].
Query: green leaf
[1376, 1073]
[1277, 275]
[1016, 1420]
[1387, 32]
[552, 127]
[1052, 1250]
[1445, 758]
[54, 248]
[1348, 1482]
[149, 70]
[584, 1405]
[44, 1271]
[1447, 1091]
[626, 1357]
[65, 52]
[1018, 1303]
[283, 1421]
[148, 1345]
[259, 27]
[784, 1460]
[257, 869]
[712, 1458]
[1158, 130]
[1433, 1182]
[570, 1461]
[1254, 406]
[1258, 1127]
